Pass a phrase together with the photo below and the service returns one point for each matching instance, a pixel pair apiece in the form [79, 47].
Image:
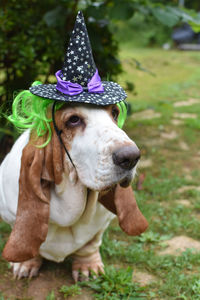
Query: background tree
[34, 36]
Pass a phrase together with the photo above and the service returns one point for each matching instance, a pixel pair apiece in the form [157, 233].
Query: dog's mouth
[125, 182]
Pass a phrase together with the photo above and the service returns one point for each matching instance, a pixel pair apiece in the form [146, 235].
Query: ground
[164, 262]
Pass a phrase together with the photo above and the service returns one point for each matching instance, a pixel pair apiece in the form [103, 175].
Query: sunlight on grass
[176, 73]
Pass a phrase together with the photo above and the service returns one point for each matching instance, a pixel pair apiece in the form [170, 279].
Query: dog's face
[101, 152]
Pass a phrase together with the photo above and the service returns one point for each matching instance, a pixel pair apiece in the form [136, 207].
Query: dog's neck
[69, 200]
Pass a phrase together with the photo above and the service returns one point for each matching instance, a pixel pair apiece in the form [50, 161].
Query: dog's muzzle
[126, 158]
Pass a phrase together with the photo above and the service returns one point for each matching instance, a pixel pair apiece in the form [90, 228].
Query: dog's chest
[62, 241]
[68, 202]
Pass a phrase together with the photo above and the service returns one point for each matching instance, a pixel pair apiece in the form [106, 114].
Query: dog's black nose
[126, 157]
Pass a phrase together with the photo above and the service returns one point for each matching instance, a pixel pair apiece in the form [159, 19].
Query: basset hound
[57, 209]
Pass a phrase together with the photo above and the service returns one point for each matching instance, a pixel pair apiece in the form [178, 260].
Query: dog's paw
[84, 266]
[27, 268]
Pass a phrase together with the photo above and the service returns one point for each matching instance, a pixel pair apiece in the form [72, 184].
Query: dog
[58, 210]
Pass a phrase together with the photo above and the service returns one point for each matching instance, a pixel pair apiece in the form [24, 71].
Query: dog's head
[102, 153]
[103, 157]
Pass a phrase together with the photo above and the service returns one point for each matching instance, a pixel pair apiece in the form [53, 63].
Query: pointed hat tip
[79, 17]
[80, 14]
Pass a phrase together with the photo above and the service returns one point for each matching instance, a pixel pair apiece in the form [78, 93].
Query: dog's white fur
[77, 220]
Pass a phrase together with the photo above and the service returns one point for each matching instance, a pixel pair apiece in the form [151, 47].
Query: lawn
[164, 262]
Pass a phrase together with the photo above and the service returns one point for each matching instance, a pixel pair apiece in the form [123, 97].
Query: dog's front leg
[88, 259]
[28, 268]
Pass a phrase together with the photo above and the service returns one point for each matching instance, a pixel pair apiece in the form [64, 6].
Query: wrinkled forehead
[89, 112]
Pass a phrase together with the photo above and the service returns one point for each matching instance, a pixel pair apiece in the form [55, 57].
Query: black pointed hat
[79, 81]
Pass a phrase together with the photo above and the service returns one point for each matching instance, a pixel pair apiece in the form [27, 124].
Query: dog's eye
[73, 121]
[115, 113]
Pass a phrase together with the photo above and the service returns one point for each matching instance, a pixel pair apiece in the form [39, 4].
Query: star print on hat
[78, 80]
[79, 65]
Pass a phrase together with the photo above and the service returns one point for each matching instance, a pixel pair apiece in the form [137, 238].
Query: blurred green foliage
[142, 31]
[34, 34]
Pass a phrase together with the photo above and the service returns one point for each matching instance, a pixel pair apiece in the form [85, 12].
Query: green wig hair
[123, 113]
[31, 112]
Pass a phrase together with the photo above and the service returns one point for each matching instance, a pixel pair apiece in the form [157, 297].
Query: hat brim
[113, 93]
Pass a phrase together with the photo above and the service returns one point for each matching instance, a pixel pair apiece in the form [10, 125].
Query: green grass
[176, 78]
[72, 290]
[115, 285]
[176, 75]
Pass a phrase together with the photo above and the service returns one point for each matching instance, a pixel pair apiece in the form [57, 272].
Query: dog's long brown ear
[40, 167]
[121, 201]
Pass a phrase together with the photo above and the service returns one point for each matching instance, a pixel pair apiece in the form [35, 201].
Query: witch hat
[79, 81]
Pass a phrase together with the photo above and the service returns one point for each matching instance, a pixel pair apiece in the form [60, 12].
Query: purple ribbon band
[70, 88]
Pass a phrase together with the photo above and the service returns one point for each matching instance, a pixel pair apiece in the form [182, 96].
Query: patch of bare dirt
[154, 142]
[145, 163]
[143, 278]
[42, 285]
[169, 135]
[51, 277]
[177, 122]
[188, 102]
[184, 202]
[187, 173]
[188, 188]
[179, 244]
[145, 115]
[185, 115]
[196, 158]
[183, 146]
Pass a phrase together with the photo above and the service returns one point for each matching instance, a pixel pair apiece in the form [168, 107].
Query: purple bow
[70, 88]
